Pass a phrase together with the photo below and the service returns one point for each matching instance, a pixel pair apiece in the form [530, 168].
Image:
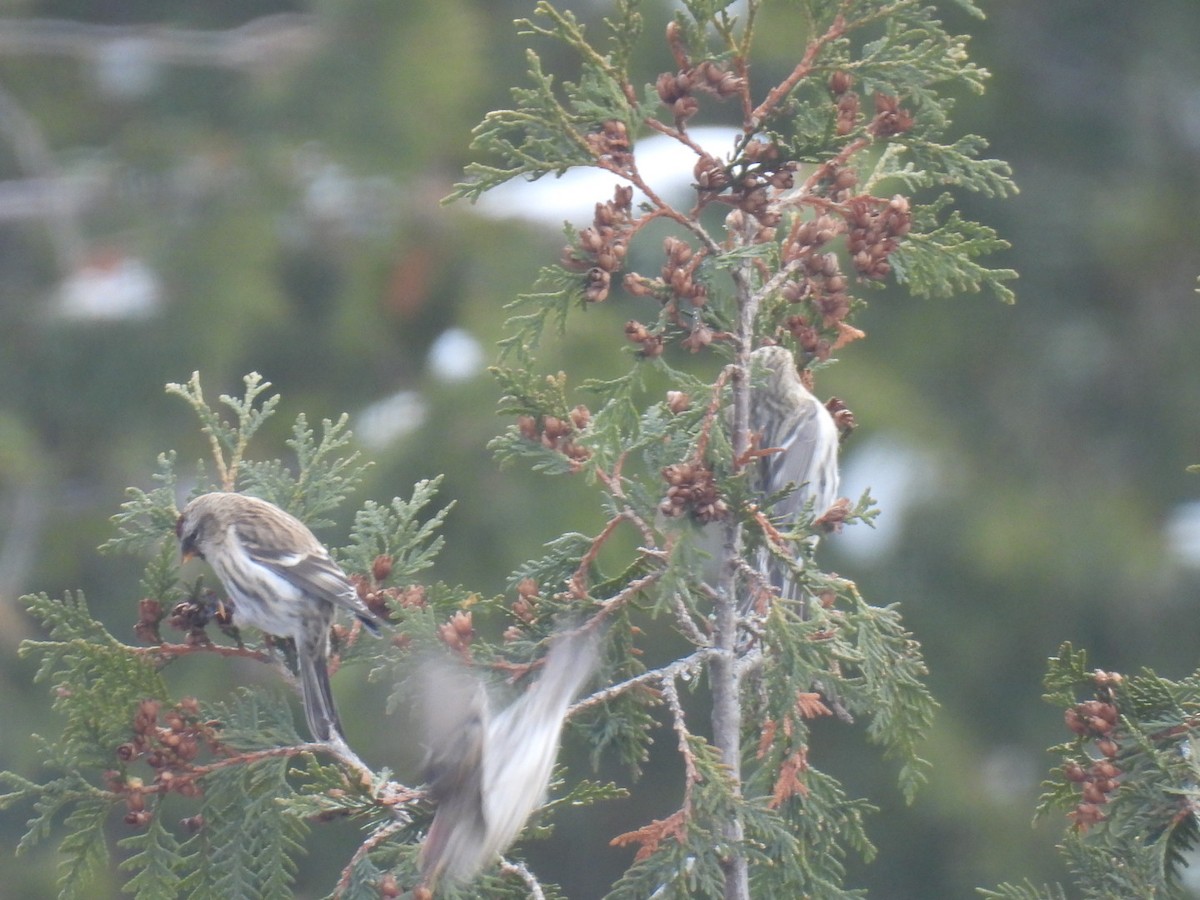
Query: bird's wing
[798, 440]
[311, 570]
[809, 430]
[523, 739]
[455, 714]
[488, 773]
[455, 717]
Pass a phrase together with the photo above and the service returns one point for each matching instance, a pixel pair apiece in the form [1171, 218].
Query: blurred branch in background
[46, 194]
[119, 52]
[126, 62]
[23, 511]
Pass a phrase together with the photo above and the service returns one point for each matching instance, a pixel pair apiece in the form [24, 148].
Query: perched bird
[787, 417]
[488, 773]
[281, 580]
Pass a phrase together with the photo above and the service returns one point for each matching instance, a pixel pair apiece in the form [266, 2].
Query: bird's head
[196, 525]
[775, 367]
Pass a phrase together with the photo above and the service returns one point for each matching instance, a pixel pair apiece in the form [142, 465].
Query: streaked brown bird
[487, 772]
[787, 416]
[281, 580]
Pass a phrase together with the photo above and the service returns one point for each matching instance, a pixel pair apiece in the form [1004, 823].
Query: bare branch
[522, 871]
[679, 726]
[688, 666]
[376, 838]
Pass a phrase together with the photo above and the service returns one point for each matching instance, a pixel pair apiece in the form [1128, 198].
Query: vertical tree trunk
[723, 671]
[727, 709]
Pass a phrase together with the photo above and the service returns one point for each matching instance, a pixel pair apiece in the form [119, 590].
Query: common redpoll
[488, 773]
[786, 416]
[280, 580]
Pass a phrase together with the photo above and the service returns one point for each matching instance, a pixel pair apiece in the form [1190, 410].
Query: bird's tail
[322, 715]
[776, 575]
[779, 575]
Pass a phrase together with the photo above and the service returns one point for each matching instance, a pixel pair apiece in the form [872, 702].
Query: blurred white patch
[689, 866]
[386, 421]
[329, 194]
[663, 162]
[1183, 534]
[127, 68]
[1010, 775]
[335, 199]
[110, 286]
[455, 356]
[1189, 874]
[899, 476]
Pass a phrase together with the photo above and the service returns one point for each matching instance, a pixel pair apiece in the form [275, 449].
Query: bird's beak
[187, 547]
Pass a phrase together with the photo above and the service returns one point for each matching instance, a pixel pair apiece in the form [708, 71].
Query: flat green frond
[229, 857]
[363, 883]
[826, 825]
[98, 681]
[84, 849]
[255, 720]
[58, 797]
[557, 290]
[227, 442]
[939, 259]
[914, 59]
[160, 578]
[1026, 891]
[893, 670]
[625, 27]
[561, 559]
[250, 413]
[154, 862]
[969, 7]
[397, 531]
[682, 854]
[586, 792]
[915, 164]
[1067, 671]
[323, 478]
[147, 518]
[541, 136]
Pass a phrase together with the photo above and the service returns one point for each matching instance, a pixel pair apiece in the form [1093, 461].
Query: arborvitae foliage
[1129, 781]
[838, 181]
[252, 783]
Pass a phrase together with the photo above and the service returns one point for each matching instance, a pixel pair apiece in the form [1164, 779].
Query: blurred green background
[266, 198]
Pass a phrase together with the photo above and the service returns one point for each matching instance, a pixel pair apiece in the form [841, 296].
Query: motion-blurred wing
[455, 718]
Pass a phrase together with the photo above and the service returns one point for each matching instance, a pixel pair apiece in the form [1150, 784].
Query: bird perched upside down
[281, 580]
